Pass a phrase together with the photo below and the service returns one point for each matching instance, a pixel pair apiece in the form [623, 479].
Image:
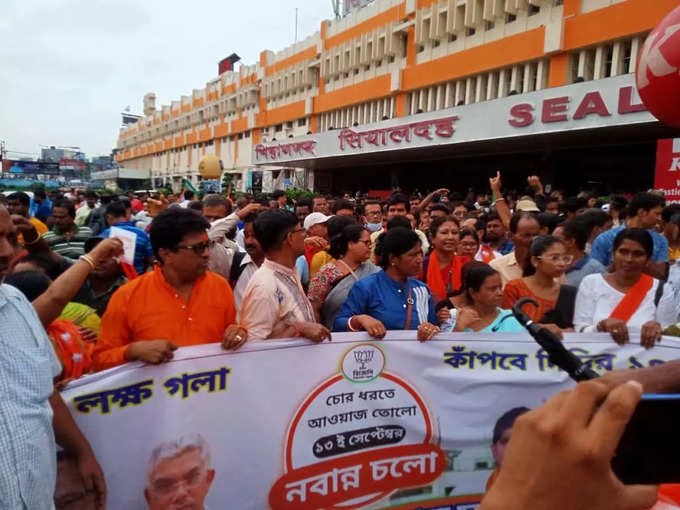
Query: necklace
[349, 269]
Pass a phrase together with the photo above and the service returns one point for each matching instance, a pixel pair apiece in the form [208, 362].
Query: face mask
[374, 227]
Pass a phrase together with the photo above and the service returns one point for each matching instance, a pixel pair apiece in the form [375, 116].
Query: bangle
[349, 324]
[500, 199]
[88, 259]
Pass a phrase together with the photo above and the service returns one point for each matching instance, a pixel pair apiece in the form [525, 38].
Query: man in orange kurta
[178, 304]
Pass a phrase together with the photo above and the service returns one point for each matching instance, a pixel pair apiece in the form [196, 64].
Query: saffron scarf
[74, 354]
[434, 279]
[631, 301]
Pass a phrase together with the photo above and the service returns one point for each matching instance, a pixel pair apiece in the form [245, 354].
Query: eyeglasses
[197, 248]
[165, 486]
[554, 259]
[295, 231]
[367, 242]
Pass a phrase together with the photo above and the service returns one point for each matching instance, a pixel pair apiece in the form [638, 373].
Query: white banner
[352, 423]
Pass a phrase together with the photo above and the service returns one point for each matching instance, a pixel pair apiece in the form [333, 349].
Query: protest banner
[348, 424]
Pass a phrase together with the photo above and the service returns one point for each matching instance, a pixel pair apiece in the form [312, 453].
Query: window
[627, 51]
[302, 122]
[278, 128]
[534, 9]
[470, 32]
[453, 38]
[609, 59]
[510, 18]
[489, 25]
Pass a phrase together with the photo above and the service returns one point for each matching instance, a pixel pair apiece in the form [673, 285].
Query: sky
[69, 67]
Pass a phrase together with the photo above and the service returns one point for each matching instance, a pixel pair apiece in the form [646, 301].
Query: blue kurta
[384, 299]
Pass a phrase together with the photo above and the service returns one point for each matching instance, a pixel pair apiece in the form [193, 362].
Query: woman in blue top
[392, 298]
[484, 291]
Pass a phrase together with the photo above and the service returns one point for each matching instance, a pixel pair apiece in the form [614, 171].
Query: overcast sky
[69, 67]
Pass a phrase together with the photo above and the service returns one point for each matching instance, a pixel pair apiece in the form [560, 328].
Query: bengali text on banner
[348, 424]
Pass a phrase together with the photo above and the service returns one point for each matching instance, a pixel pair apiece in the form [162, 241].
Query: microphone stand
[558, 354]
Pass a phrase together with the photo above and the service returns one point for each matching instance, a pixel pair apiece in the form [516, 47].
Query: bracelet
[87, 259]
[500, 199]
[349, 324]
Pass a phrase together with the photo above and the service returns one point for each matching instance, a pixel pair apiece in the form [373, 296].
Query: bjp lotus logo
[363, 363]
[363, 357]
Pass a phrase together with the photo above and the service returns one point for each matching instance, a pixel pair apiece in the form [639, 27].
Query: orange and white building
[414, 92]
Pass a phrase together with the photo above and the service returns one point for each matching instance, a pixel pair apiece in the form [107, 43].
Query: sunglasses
[197, 248]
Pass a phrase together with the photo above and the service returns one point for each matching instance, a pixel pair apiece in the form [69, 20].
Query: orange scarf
[434, 278]
[73, 353]
[631, 301]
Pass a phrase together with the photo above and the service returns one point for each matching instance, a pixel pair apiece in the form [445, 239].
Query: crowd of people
[216, 269]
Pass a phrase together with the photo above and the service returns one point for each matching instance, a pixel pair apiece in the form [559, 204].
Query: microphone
[558, 354]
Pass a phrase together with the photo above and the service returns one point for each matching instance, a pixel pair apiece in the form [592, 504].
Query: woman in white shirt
[626, 302]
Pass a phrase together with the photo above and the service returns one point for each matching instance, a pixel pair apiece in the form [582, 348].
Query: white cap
[314, 219]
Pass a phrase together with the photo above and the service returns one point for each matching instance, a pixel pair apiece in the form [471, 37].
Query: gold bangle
[87, 259]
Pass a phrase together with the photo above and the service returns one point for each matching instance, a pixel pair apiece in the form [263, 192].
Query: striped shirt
[68, 244]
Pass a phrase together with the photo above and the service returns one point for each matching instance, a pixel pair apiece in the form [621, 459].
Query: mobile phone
[649, 451]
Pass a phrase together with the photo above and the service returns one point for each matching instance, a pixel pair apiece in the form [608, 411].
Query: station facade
[419, 93]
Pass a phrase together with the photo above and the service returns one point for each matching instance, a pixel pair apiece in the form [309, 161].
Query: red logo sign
[667, 174]
[658, 79]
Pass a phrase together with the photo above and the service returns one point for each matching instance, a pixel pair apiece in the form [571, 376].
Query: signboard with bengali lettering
[347, 424]
[595, 104]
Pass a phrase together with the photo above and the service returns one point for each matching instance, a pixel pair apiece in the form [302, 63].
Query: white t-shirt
[596, 300]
